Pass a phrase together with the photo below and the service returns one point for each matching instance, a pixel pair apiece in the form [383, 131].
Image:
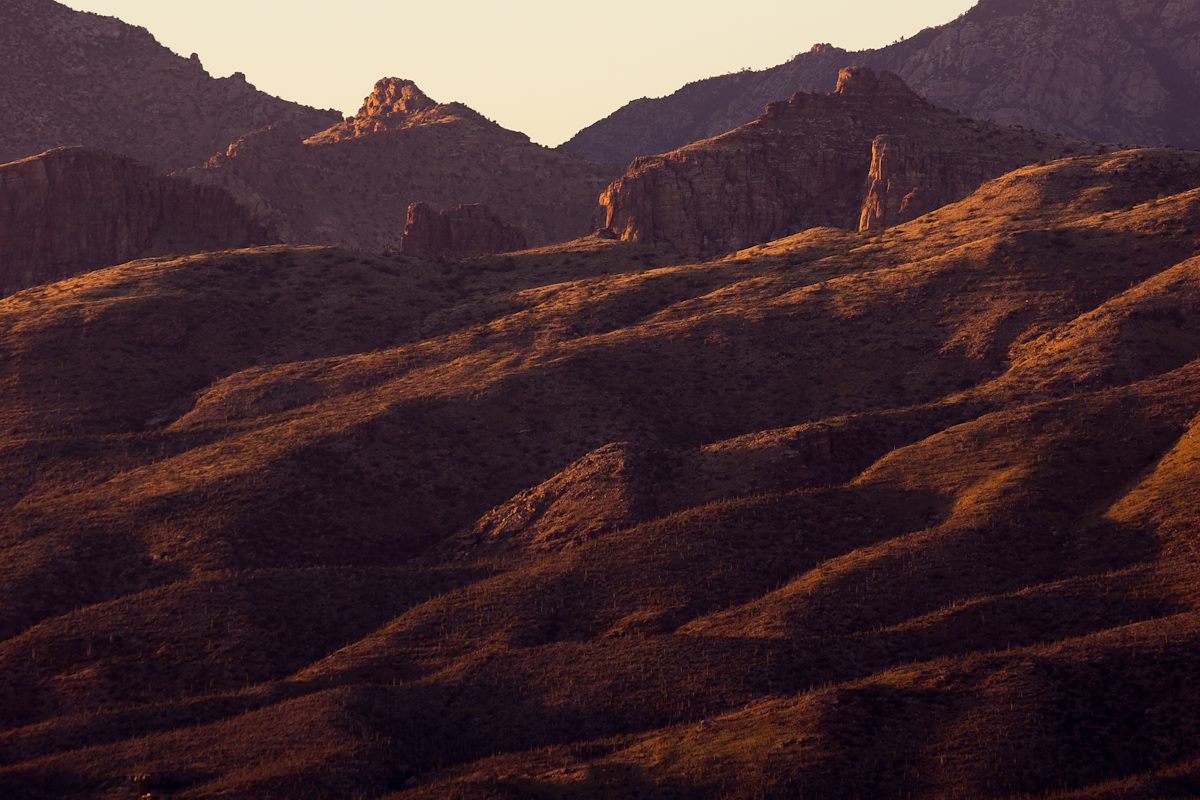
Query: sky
[544, 67]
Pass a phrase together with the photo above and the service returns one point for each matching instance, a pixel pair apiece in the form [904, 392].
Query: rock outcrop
[1100, 70]
[868, 155]
[393, 105]
[352, 183]
[459, 232]
[74, 78]
[74, 209]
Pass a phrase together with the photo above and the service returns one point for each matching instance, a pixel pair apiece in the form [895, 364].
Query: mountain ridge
[351, 184]
[1106, 71]
[48, 51]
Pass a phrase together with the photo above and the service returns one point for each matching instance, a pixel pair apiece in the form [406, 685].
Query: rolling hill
[910, 512]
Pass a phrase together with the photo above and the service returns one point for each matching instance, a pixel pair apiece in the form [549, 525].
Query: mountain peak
[393, 105]
[393, 96]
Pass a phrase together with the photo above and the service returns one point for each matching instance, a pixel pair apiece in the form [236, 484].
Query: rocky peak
[393, 96]
[394, 104]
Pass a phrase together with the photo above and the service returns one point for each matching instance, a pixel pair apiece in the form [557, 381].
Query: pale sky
[544, 67]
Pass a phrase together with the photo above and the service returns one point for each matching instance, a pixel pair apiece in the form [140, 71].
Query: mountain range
[844, 443]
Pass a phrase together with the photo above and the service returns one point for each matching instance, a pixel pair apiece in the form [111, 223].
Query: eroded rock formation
[868, 155]
[459, 232]
[74, 209]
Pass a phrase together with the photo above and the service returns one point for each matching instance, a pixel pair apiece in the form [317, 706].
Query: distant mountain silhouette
[1102, 70]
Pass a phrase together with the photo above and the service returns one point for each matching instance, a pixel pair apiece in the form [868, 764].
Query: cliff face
[74, 78]
[868, 155]
[907, 179]
[459, 232]
[1101, 70]
[352, 183]
[74, 209]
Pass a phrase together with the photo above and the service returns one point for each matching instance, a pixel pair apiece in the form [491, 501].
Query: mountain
[73, 78]
[352, 184]
[1099, 70]
[868, 155]
[908, 515]
[77, 208]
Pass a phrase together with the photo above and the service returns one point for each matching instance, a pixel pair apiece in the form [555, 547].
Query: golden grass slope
[903, 515]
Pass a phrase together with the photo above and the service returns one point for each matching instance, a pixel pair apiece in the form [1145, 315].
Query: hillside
[73, 78]
[910, 513]
[352, 184]
[1098, 70]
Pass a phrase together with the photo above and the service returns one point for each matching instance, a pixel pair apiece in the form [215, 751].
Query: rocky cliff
[459, 232]
[870, 154]
[352, 183]
[74, 209]
[1101, 70]
[73, 78]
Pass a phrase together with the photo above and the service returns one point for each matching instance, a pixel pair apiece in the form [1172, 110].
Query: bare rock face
[74, 78]
[74, 209]
[459, 232]
[868, 155]
[907, 179]
[1100, 70]
[352, 183]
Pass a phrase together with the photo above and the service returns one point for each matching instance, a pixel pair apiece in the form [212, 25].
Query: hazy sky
[545, 67]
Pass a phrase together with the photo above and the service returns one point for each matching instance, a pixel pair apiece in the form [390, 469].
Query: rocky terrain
[73, 78]
[74, 209]
[911, 514]
[868, 155]
[459, 232]
[1099, 70]
[352, 183]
